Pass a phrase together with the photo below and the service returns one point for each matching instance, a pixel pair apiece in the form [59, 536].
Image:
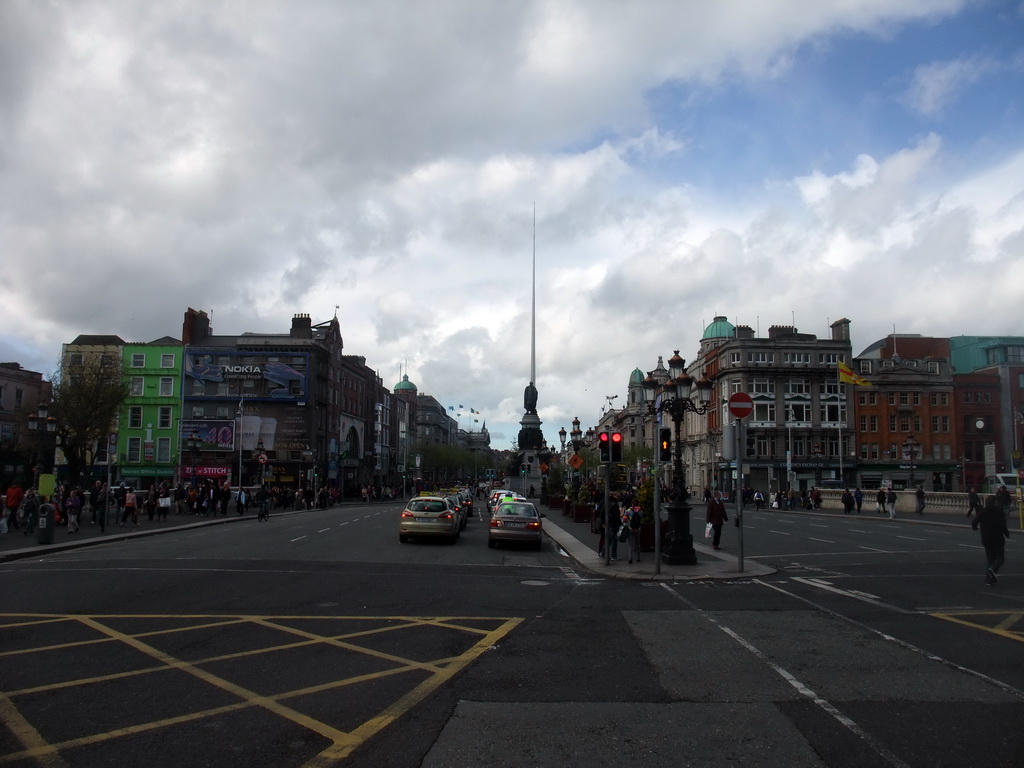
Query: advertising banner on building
[230, 374]
[216, 434]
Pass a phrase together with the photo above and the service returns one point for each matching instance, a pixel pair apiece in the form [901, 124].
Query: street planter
[581, 512]
[647, 535]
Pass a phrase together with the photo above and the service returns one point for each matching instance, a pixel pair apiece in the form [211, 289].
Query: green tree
[87, 399]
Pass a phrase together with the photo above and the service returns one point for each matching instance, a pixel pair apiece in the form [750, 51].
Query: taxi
[429, 516]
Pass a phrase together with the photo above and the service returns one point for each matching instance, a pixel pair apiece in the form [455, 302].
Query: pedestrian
[30, 511]
[150, 502]
[634, 518]
[994, 533]
[758, 500]
[130, 507]
[890, 500]
[973, 501]
[12, 503]
[74, 510]
[858, 498]
[614, 523]
[880, 501]
[1004, 500]
[240, 501]
[716, 515]
[847, 500]
[919, 496]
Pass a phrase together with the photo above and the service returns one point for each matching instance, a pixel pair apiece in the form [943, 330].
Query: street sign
[576, 461]
[262, 458]
[740, 405]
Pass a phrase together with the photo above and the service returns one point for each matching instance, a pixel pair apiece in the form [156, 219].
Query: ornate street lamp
[910, 446]
[674, 398]
[44, 424]
[194, 444]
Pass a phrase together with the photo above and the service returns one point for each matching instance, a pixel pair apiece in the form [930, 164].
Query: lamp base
[678, 547]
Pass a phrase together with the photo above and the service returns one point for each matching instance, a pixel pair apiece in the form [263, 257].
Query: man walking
[994, 533]
[890, 500]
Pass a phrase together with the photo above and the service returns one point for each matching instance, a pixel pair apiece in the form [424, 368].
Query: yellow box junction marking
[483, 632]
[1008, 624]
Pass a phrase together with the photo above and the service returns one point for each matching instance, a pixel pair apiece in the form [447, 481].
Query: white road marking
[781, 533]
[826, 541]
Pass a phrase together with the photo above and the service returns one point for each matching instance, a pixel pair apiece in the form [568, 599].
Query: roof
[405, 385]
[637, 376]
[720, 328]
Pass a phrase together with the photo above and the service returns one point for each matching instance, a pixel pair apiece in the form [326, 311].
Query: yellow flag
[846, 374]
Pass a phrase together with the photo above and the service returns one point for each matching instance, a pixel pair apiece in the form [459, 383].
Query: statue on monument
[530, 398]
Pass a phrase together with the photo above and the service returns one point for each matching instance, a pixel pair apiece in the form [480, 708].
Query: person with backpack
[994, 533]
[633, 519]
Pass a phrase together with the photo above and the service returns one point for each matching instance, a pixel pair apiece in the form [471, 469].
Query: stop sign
[740, 405]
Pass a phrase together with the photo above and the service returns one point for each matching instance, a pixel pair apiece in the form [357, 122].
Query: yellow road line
[343, 744]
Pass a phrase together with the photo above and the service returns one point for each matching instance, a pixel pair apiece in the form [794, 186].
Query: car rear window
[427, 506]
[514, 510]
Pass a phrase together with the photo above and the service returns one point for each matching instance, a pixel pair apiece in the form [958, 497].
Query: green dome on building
[637, 376]
[405, 385]
[720, 328]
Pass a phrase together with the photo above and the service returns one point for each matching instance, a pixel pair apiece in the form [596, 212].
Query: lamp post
[675, 401]
[43, 423]
[238, 431]
[262, 461]
[194, 444]
[910, 446]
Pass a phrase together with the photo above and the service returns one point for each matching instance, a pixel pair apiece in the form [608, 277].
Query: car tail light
[495, 523]
[407, 513]
[533, 526]
[446, 516]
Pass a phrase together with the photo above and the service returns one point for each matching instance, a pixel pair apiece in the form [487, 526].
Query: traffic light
[751, 444]
[605, 442]
[616, 446]
[665, 445]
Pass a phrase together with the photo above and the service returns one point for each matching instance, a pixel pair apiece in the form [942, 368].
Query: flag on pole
[846, 374]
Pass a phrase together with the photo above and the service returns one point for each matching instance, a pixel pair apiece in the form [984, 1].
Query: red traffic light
[603, 437]
[616, 437]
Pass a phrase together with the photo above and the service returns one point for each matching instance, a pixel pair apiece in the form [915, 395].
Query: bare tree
[87, 398]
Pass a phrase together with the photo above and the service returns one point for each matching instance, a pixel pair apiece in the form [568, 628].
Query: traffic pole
[740, 441]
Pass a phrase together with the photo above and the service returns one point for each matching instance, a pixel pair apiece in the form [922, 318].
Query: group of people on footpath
[624, 520]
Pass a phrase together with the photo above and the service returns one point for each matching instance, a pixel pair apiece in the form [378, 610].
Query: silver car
[515, 521]
[429, 516]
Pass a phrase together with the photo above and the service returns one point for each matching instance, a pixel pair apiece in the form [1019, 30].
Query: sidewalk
[15, 545]
[577, 540]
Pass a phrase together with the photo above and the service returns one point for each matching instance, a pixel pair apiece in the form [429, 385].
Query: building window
[798, 387]
[799, 411]
[764, 412]
[830, 388]
[1015, 354]
[164, 418]
[76, 358]
[915, 398]
[135, 417]
[138, 360]
[163, 450]
[933, 366]
[735, 358]
[763, 387]
[796, 357]
[760, 357]
[904, 398]
[865, 367]
[138, 386]
[828, 358]
[892, 398]
[134, 450]
[166, 386]
[166, 361]
[833, 412]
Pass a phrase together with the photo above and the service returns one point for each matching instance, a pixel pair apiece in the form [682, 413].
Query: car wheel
[403, 538]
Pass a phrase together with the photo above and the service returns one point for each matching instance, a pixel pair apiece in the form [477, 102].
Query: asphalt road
[317, 639]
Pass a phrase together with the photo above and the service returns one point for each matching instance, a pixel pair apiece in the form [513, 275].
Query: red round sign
[740, 405]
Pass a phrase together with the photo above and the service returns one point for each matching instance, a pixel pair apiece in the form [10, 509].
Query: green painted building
[148, 444]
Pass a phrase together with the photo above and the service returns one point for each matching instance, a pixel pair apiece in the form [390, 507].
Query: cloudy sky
[775, 161]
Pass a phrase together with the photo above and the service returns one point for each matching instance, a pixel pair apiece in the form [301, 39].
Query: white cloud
[276, 161]
[938, 84]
